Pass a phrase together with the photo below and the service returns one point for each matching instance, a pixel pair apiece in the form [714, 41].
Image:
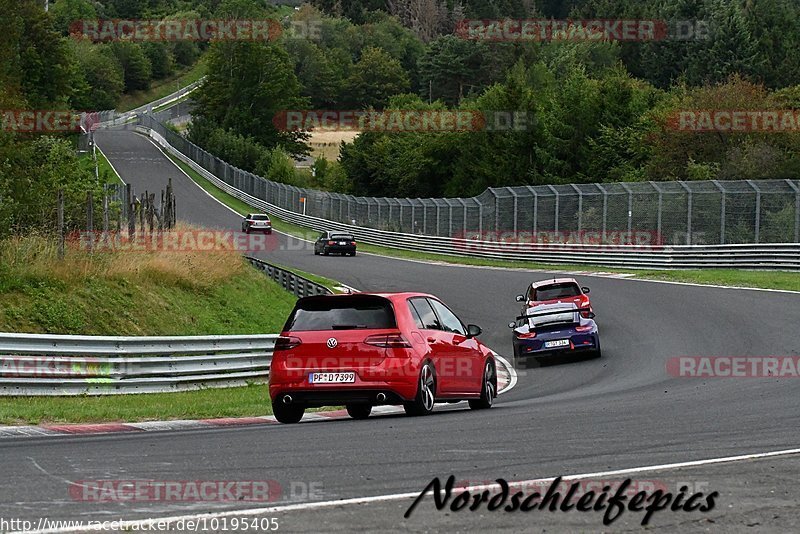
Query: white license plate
[331, 378]
[556, 343]
[342, 242]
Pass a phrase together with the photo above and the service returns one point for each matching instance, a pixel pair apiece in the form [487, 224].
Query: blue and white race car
[556, 330]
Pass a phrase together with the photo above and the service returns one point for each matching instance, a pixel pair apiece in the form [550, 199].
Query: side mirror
[473, 330]
[520, 298]
[585, 289]
[512, 325]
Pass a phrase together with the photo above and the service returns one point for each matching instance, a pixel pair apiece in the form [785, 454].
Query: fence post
[131, 200]
[90, 218]
[660, 205]
[105, 210]
[630, 208]
[605, 212]
[580, 207]
[796, 210]
[60, 223]
[721, 212]
[688, 212]
[516, 209]
[758, 210]
[555, 212]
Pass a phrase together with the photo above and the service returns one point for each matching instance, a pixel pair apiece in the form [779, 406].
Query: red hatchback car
[367, 349]
[554, 291]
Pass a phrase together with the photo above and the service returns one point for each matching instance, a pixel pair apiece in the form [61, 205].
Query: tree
[248, 85]
[100, 77]
[66, 12]
[375, 78]
[451, 67]
[161, 60]
[136, 67]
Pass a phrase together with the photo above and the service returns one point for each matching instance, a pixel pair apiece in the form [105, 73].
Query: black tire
[325, 252]
[359, 411]
[316, 252]
[426, 392]
[488, 390]
[353, 253]
[247, 229]
[287, 413]
[598, 353]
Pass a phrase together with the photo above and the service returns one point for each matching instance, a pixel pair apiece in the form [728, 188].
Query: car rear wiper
[349, 327]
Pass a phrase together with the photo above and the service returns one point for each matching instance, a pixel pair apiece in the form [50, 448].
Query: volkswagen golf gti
[368, 349]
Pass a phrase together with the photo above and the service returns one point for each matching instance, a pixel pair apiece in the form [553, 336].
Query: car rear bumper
[344, 249]
[315, 398]
[579, 343]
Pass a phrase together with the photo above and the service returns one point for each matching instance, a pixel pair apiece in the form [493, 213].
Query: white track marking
[143, 524]
[112, 165]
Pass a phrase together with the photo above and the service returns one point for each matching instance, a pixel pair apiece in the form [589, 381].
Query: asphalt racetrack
[619, 412]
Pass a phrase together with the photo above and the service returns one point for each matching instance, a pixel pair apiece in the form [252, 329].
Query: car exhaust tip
[287, 399]
[381, 397]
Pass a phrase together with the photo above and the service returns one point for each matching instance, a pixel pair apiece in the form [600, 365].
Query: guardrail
[42, 364]
[291, 282]
[763, 256]
[113, 118]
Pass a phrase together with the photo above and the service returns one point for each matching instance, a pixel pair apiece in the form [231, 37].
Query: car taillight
[529, 335]
[583, 328]
[287, 343]
[388, 341]
[331, 242]
[353, 243]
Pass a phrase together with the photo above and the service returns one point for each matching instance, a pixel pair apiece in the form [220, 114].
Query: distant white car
[257, 222]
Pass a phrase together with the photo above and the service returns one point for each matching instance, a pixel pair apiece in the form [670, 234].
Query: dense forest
[598, 111]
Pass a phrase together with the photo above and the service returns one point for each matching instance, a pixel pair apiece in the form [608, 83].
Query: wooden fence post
[61, 224]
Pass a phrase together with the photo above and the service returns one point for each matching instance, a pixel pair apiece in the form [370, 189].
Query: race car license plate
[342, 242]
[556, 343]
[331, 378]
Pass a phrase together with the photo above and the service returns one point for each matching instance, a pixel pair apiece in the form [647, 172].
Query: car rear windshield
[343, 237]
[341, 313]
[556, 291]
[259, 218]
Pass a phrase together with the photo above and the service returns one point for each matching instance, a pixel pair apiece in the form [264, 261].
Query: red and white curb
[506, 379]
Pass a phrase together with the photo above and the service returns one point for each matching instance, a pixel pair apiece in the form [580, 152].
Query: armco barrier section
[43, 364]
[750, 256]
[291, 282]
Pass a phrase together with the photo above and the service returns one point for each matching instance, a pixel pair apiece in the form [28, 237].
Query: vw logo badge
[332, 343]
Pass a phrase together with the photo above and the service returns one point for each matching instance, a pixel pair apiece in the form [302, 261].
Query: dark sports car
[555, 330]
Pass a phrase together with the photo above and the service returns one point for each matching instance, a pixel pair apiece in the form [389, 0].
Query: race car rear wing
[557, 312]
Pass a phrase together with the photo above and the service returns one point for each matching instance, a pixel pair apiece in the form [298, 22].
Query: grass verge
[724, 277]
[153, 293]
[164, 87]
[202, 404]
[243, 208]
